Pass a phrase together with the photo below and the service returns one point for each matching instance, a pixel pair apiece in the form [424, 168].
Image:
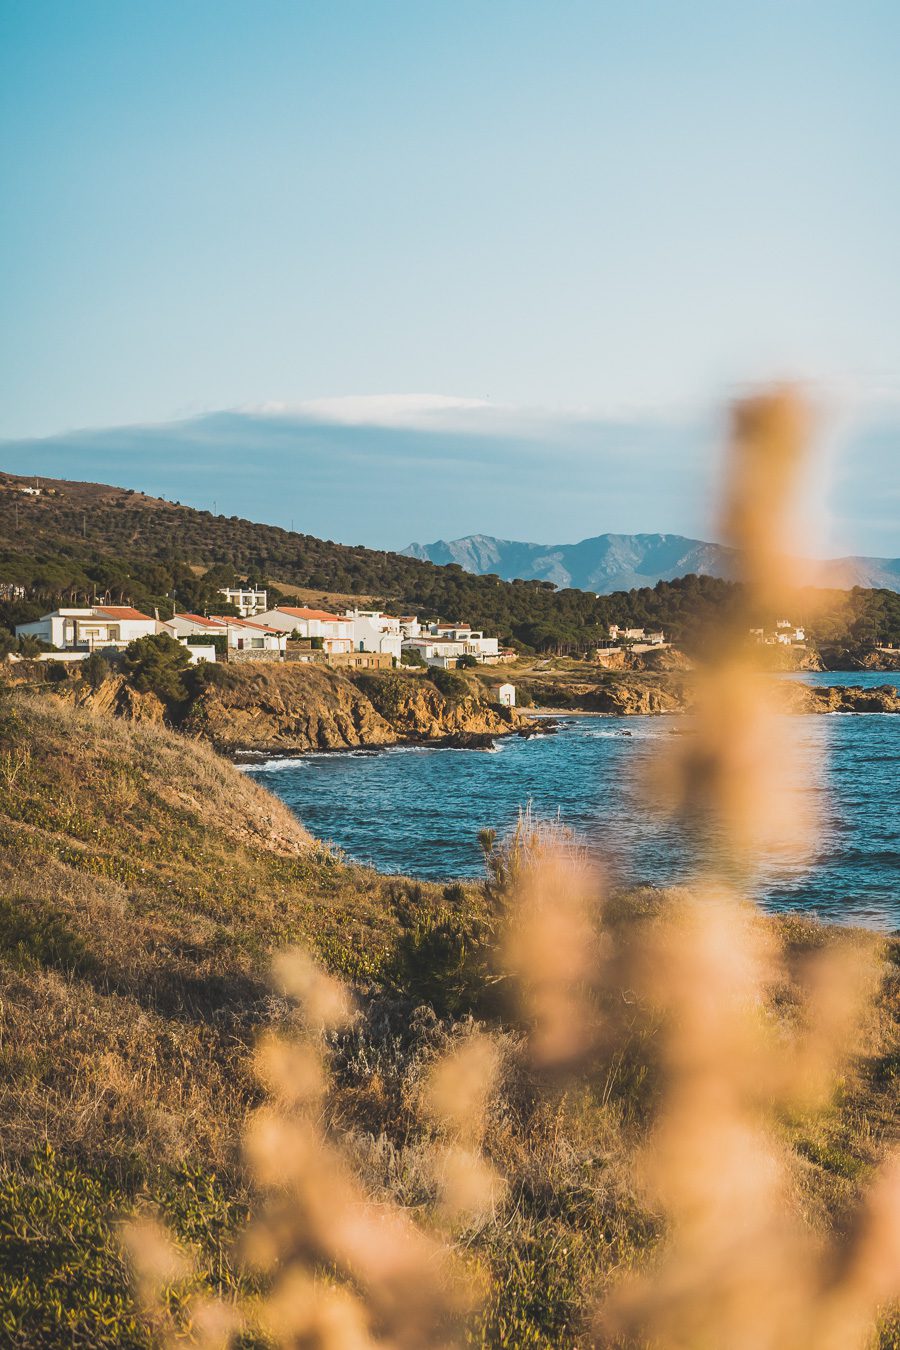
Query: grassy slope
[143, 882]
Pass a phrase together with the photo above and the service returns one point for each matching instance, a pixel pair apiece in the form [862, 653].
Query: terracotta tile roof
[312, 614]
[202, 619]
[120, 612]
[246, 623]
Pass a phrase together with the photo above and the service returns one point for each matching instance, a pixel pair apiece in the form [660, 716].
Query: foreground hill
[144, 883]
[622, 562]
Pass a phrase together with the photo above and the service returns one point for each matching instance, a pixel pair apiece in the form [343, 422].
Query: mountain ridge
[609, 562]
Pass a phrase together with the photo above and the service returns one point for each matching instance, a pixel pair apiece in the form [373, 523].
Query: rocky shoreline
[267, 711]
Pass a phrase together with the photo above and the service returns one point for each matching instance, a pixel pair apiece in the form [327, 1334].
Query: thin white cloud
[376, 410]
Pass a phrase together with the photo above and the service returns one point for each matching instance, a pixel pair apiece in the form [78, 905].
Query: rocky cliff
[293, 708]
[802, 698]
[618, 695]
[626, 695]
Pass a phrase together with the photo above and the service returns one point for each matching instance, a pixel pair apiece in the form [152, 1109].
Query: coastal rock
[292, 708]
[625, 696]
[802, 698]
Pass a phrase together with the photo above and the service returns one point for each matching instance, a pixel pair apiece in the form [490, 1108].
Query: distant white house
[506, 695]
[247, 600]
[91, 629]
[375, 632]
[444, 643]
[652, 639]
[785, 634]
[336, 632]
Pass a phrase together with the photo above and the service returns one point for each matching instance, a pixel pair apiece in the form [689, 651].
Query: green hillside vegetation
[78, 540]
[144, 883]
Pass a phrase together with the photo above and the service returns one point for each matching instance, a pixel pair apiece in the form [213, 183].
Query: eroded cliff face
[286, 708]
[627, 695]
[802, 698]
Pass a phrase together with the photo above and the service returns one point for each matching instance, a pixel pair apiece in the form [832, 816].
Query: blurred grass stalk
[693, 981]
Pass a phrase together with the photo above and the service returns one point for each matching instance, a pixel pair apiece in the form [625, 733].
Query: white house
[435, 651]
[336, 632]
[375, 632]
[506, 695]
[474, 642]
[247, 600]
[195, 626]
[91, 629]
[246, 635]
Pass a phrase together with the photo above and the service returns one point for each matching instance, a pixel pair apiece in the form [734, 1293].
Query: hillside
[143, 884]
[78, 540]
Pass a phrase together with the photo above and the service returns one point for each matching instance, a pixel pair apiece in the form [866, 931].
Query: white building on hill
[247, 600]
[88, 630]
[335, 632]
[375, 632]
[442, 644]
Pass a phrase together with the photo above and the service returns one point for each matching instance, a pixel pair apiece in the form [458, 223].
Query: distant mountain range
[619, 562]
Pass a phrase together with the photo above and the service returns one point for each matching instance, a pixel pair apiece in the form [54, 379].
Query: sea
[418, 810]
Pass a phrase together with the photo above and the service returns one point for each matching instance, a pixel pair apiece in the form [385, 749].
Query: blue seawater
[418, 810]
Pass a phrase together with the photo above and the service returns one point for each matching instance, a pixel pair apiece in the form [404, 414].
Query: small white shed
[506, 695]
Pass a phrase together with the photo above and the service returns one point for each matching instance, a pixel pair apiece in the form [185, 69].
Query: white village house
[336, 633]
[375, 632]
[785, 634]
[442, 644]
[247, 600]
[652, 639]
[88, 630]
[239, 634]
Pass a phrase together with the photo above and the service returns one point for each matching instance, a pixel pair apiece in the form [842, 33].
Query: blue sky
[622, 209]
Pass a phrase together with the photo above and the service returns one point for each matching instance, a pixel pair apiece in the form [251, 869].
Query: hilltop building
[375, 632]
[247, 600]
[442, 644]
[334, 632]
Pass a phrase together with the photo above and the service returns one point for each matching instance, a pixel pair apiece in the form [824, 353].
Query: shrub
[467, 662]
[157, 665]
[97, 667]
[451, 686]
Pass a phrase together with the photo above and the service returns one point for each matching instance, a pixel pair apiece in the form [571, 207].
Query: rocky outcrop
[860, 658]
[291, 708]
[804, 698]
[627, 695]
[417, 710]
[288, 708]
[631, 695]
